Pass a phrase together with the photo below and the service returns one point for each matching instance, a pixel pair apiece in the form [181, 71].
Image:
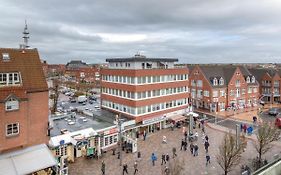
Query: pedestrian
[191, 148]
[207, 138]
[144, 135]
[163, 159]
[125, 169]
[185, 135]
[166, 171]
[164, 139]
[245, 128]
[153, 159]
[199, 125]
[206, 145]
[195, 152]
[203, 128]
[208, 159]
[185, 145]
[103, 168]
[174, 152]
[136, 167]
[182, 144]
[241, 127]
[167, 157]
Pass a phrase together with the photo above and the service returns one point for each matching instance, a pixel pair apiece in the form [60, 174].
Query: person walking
[166, 171]
[207, 138]
[153, 159]
[164, 139]
[167, 158]
[125, 169]
[185, 145]
[195, 152]
[185, 135]
[163, 159]
[144, 135]
[208, 159]
[182, 144]
[136, 168]
[103, 168]
[206, 145]
[191, 148]
[174, 152]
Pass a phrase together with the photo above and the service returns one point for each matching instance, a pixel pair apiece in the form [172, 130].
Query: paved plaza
[192, 165]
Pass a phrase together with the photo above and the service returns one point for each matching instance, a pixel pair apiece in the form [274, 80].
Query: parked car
[72, 100]
[273, 111]
[91, 102]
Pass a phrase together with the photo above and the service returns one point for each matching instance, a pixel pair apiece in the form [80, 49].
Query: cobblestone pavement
[192, 165]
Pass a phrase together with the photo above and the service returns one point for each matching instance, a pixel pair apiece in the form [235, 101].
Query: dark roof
[141, 58]
[29, 65]
[76, 64]
[223, 71]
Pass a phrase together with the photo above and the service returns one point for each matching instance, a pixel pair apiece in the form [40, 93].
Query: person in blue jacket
[153, 158]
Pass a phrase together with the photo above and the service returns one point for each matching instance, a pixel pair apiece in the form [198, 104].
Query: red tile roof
[28, 64]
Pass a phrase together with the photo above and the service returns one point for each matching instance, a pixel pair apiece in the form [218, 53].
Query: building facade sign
[153, 120]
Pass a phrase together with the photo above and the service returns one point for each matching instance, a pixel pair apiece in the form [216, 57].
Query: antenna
[25, 37]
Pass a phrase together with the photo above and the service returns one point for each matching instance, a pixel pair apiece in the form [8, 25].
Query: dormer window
[248, 80]
[221, 81]
[5, 56]
[215, 82]
[12, 104]
[253, 79]
[10, 79]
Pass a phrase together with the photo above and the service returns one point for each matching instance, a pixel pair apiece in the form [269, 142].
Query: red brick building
[217, 87]
[23, 100]
[145, 89]
[269, 80]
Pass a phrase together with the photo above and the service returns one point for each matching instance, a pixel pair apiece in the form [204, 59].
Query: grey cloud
[195, 31]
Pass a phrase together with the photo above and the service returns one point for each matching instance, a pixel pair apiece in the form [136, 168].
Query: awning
[26, 161]
[177, 118]
[193, 114]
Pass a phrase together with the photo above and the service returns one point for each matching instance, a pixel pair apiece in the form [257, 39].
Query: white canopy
[26, 161]
[193, 114]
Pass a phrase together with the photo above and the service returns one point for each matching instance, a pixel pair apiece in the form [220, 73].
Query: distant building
[83, 72]
[149, 90]
[24, 112]
[218, 87]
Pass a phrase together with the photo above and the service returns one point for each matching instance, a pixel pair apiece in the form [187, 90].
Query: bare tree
[229, 154]
[54, 95]
[265, 136]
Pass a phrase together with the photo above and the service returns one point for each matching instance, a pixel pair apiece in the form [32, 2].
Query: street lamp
[119, 122]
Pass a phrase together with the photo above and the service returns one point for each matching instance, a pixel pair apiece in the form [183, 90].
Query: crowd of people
[190, 140]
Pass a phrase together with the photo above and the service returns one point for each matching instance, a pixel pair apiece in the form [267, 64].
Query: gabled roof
[29, 66]
[223, 71]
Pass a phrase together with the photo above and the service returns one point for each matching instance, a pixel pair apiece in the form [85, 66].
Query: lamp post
[119, 122]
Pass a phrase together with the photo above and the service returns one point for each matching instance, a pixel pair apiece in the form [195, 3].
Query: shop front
[153, 124]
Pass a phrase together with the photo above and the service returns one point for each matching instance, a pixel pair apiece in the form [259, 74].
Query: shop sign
[152, 120]
[111, 131]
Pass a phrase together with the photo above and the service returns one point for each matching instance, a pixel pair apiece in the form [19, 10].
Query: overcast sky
[195, 31]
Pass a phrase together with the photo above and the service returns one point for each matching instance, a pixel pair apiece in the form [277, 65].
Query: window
[222, 93]
[6, 56]
[215, 94]
[12, 104]
[215, 82]
[206, 93]
[248, 80]
[12, 129]
[9, 79]
[221, 81]
[237, 83]
[199, 83]
[253, 79]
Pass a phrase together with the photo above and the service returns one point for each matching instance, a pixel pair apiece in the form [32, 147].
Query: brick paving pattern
[192, 165]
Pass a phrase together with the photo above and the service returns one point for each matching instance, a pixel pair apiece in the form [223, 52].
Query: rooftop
[140, 58]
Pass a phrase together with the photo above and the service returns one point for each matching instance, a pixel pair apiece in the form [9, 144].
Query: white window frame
[215, 83]
[221, 81]
[253, 79]
[13, 125]
[13, 102]
[248, 79]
